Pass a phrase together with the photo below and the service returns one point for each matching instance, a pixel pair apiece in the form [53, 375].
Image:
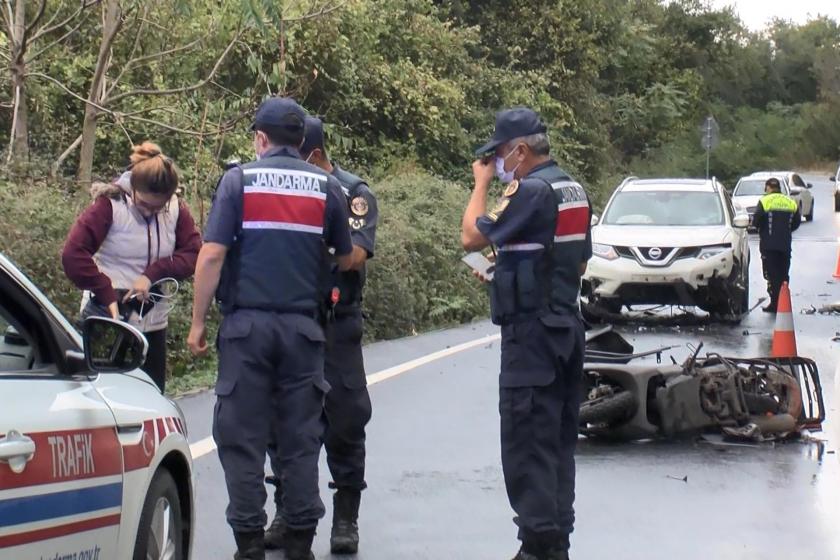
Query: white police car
[93, 466]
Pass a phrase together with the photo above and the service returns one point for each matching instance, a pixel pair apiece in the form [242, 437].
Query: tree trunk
[20, 119]
[111, 22]
[19, 152]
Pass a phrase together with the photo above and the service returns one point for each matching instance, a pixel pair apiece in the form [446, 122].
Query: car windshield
[749, 188]
[665, 208]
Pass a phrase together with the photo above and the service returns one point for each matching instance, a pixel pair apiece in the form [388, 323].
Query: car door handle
[16, 449]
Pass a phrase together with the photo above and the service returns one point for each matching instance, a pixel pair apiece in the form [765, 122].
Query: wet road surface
[436, 488]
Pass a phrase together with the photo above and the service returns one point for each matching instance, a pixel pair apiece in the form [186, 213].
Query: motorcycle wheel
[609, 409]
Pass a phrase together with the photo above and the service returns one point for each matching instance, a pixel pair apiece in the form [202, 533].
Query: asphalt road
[436, 488]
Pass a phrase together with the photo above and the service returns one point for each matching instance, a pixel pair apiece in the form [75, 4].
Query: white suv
[671, 242]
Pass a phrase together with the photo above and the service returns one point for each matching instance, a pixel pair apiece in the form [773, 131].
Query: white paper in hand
[480, 264]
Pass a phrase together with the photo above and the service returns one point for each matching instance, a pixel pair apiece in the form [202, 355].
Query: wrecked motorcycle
[758, 398]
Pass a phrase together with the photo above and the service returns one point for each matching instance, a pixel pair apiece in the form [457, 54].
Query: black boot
[345, 529]
[558, 554]
[276, 532]
[522, 555]
[298, 544]
[275, 535]
[249, 545]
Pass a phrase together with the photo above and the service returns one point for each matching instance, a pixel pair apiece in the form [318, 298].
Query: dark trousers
[155, 365]
[347, 407]
[270, 388]
[539, 430]
[776, 268]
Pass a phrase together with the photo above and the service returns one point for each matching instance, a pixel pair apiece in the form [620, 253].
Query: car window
[797, 181]
[16, 345]
[665, 208]
[749, 187]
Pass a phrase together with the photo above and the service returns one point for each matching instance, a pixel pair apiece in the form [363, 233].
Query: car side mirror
[809, 185]
[832, 179]
[112, 346]
[741, 221]
[595, 219]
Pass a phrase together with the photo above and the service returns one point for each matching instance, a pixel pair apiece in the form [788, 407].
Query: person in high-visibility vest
[777, 216]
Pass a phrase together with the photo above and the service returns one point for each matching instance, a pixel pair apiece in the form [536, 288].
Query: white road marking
[207, 445]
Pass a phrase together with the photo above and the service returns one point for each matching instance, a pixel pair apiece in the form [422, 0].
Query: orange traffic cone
[837, 268]
[784, 339]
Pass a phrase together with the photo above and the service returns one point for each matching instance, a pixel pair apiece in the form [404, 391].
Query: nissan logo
[655, 253]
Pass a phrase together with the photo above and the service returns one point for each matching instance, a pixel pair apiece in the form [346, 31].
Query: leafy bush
[416, 281]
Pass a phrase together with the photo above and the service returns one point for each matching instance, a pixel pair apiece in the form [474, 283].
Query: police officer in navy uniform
[541, 227]
[264, 251]
[347, 406]
[776, 217]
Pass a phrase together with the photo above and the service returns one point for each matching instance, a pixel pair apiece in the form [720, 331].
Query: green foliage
[416, 281]
[34, 220]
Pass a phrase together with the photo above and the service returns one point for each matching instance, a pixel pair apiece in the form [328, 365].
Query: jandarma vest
[538, 283]
[276, 262]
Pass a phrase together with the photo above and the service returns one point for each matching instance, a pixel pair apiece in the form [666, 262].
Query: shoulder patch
[501, 206]
[359, 206]
[511, 188]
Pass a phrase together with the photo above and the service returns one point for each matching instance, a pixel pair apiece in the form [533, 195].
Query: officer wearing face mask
[541, 227]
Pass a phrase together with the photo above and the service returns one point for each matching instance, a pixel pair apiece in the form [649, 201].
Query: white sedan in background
[750, 189]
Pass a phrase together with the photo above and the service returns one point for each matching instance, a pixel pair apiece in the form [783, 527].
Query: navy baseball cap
[313, 135]
[280, 111]
[512, 123]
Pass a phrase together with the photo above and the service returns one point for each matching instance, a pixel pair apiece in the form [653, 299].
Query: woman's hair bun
[144, 151]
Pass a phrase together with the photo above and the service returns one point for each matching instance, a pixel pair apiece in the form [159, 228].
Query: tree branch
[68, 91]
[54, 43]
[38, 15]
[164, 53]
[184, 89]
[322, 12]
[46, 29]
[134, 46]
[8, 19]
[164, 125]
[56, 167]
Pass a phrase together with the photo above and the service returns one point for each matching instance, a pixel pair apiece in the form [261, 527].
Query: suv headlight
[604, 251]
[713, 251]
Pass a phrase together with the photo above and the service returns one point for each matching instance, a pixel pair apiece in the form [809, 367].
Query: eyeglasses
[147, 207]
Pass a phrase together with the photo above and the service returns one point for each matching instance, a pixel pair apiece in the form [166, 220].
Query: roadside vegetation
[408, 88]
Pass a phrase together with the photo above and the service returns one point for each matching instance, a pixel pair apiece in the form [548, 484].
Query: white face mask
[505, 176]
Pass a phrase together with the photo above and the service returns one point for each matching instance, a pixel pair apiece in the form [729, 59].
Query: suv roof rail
[627, 180]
